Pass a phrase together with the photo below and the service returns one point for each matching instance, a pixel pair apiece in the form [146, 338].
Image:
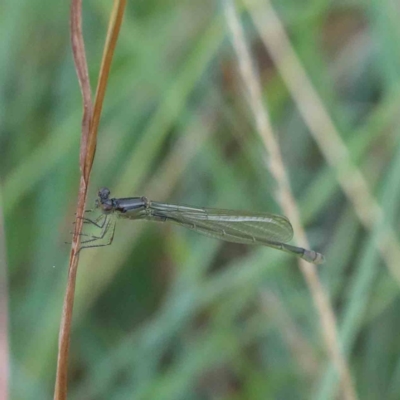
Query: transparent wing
[235, 226]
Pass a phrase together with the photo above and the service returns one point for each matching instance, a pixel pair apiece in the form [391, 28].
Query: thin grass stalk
[286, 199]
[363, 282]
[90, 123]
[350, 178]
[324, 132]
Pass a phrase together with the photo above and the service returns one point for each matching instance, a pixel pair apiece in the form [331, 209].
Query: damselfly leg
[95, 222]
[105, 236]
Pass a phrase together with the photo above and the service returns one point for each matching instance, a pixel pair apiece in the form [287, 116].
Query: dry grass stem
[286, 200]
[90, 123]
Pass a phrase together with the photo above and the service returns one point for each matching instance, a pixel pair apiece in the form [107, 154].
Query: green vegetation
[165, 313]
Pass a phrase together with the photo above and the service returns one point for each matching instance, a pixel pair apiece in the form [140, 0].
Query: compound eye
[104, 193]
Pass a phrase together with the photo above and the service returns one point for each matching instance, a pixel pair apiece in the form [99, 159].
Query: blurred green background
[164, 313]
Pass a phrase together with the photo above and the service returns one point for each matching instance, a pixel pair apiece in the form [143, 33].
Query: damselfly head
[104, 193]
[104, 202]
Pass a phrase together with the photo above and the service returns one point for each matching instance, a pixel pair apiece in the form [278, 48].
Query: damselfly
[232, 226]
